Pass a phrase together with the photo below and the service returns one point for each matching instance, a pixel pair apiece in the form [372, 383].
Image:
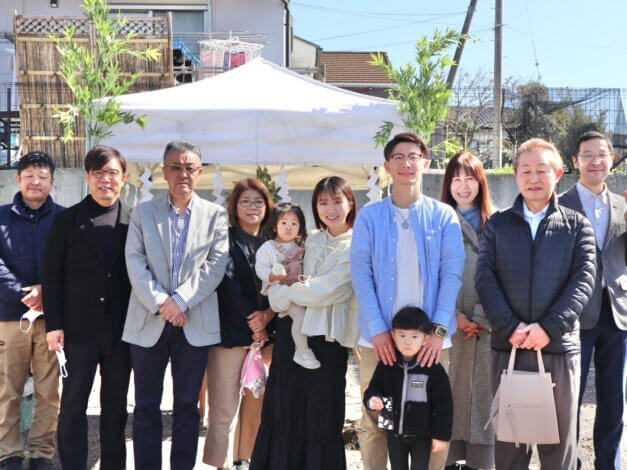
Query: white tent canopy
[260, 114]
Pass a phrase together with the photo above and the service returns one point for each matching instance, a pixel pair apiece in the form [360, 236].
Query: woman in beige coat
[465, 187]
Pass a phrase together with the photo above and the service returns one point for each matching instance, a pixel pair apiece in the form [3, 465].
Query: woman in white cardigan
[303, 410]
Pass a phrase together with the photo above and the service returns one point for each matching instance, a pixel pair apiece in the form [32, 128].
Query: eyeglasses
[99, 174]
[258, 203]
[180, 168]
[411, 157]
[589, 157]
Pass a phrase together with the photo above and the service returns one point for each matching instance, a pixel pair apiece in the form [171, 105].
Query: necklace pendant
[405, 225]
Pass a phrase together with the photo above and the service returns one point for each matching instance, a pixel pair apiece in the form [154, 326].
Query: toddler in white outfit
[280, 260]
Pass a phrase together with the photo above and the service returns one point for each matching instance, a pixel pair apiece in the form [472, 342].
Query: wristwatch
[440, 330]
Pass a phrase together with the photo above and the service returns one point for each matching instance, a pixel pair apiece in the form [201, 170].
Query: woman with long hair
[465, 187]
[303, 410]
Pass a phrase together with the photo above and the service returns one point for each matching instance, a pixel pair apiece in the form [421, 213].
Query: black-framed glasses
[189, 169]
[258, 203]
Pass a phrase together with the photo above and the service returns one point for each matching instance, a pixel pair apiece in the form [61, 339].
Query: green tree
[531, 112]
[421, 88]
[265, 177]
[93, 74]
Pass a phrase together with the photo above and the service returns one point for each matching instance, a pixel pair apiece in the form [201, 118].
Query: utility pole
[498, 82]
[460, 45]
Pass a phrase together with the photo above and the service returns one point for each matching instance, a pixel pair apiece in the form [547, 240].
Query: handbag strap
[540, 362]
[512, 360]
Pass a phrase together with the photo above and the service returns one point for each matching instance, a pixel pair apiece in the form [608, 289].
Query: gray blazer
[611, 262]
[149, 264]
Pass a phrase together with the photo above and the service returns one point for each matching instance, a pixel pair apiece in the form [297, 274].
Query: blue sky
[578, 43]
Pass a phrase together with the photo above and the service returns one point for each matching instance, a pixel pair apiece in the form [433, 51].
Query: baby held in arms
[280, 261]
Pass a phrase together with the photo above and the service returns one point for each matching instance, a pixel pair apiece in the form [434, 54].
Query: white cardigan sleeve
[321, 291]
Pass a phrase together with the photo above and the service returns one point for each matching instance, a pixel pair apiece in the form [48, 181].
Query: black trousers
[107, 350]
[401, 448]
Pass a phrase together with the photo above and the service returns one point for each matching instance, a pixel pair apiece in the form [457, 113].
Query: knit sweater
[331, 307]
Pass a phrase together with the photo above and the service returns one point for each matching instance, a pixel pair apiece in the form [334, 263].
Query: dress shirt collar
[586, 194]
[530, 215]
[188, 209]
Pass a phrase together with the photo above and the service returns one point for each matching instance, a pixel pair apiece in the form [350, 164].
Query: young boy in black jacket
[419, 398]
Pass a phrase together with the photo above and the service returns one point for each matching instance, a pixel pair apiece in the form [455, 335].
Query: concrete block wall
[70, 188]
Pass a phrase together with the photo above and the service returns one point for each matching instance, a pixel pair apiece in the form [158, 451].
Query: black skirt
[303, 410]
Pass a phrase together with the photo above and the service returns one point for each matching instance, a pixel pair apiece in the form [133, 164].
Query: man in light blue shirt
[406, 250]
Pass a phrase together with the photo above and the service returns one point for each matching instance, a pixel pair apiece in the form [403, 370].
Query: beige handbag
[523, 409]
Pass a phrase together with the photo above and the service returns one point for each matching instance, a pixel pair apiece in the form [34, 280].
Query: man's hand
[437, 445]
[169, 309]
[536, 339]
[430, 351]
[54, 338]
[375, 403]
[384, 348]
[33, 299]
[519, 335]
[179, 319]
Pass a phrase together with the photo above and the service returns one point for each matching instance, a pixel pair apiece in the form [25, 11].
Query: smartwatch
[440, 331]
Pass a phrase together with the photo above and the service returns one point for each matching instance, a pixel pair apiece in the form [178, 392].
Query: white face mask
[29, 316]
[62, 361]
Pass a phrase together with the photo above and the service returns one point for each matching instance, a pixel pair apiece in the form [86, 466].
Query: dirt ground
[353, 414]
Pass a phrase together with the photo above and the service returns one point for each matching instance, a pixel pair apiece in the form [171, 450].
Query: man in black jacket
[604, 320]
[85, 297]
[534, 276]
[24, 226]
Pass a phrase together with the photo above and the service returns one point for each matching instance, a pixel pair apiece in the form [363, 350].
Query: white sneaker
[307, 359]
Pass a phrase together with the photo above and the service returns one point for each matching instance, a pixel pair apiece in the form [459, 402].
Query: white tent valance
[259, 114]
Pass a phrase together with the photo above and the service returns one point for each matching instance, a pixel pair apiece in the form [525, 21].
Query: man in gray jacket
[534, 276]
[604, 319]
[176, 254]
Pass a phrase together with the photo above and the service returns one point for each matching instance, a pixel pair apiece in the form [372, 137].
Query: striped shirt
[179, 226]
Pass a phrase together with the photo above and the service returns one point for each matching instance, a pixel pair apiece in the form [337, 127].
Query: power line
[383, 29]
[401, 43]
[371, 13]
[567, 43]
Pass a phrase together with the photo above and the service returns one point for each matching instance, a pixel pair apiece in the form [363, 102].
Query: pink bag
[254, 373]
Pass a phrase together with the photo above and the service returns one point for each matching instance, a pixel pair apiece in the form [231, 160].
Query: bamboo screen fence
[42, 88]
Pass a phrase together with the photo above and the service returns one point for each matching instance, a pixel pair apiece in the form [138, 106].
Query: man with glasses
[176, 253]
[406, 251]
[24, 226]
[85, 297]
[604, 319]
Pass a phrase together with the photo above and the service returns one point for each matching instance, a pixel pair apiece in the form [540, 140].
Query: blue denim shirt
[373, 262]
